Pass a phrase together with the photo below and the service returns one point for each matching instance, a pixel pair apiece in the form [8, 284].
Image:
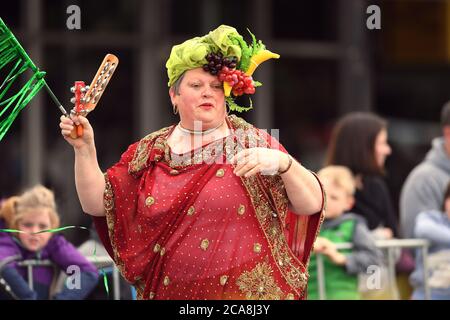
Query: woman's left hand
[266, 161]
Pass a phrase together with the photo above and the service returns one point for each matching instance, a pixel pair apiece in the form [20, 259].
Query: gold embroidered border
[278, 192]
[273, 182]
[143, 149]
[108, 198]
[158, 140]
[259, 284]
[207, 154]
[289, 265]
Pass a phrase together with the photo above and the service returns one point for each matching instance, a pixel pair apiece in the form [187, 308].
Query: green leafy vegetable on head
[192, 53]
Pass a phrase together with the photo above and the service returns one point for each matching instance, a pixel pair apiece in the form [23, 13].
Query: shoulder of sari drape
[130, 167]
[269, 197]
[148, 149]
[250, 136]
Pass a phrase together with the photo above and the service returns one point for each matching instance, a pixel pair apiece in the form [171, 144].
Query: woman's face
[32, 222]
[382, 148]
[200, 98]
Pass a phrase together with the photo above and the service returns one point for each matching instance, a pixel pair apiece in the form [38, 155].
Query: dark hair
[352, 143]
[445, 115]
[446, 196]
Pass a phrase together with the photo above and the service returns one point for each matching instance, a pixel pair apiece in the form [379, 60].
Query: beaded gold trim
[166, 281]
[220, 173]
[140, 158]
[149, 201]
[205, 154]
[223, 280]
[257, 247]
[204, 244]
[259, 284]
[271, 217]
[290, 296]
[108, 200]
[191, 211]
[292, 269]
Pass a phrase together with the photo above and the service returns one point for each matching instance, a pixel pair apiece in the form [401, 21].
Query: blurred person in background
[434, 226]
[341, 266]
[31, 213]
[424, 187]
[359, 142]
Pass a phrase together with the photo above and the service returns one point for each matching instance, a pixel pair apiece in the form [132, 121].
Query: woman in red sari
[209, 208]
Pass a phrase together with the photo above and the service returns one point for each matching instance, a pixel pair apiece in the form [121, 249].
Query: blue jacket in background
[433, 226]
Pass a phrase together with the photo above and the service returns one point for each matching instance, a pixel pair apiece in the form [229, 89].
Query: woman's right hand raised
[67, 125]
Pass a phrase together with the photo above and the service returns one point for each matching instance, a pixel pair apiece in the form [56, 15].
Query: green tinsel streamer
[12, 55]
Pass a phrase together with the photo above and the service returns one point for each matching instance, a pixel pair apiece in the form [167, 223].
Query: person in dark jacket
[359, 142]
[31, 213]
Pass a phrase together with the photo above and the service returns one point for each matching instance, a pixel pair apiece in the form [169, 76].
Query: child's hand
[319, 244]
[383, 233]
[322, 244]
[336, 257]
[328, 248]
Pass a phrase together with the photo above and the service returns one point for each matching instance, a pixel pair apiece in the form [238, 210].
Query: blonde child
[32, 212]
[341, 267]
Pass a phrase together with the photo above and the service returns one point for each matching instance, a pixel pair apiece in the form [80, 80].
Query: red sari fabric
[188, 228]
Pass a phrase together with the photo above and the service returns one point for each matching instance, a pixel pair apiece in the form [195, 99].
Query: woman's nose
[388, 150]
[207, 92]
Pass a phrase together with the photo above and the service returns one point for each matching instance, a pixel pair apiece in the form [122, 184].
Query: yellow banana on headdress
[259, 58]
[255, 61]
[251, 57]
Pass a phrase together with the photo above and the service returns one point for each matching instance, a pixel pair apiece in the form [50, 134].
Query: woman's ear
[172, 95]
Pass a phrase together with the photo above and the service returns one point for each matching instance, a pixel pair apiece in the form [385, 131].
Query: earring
[175, 109]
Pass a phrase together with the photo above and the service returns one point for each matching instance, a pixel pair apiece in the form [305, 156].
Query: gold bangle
[288, 167]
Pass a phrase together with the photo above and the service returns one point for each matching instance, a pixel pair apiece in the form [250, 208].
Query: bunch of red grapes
[225, 68]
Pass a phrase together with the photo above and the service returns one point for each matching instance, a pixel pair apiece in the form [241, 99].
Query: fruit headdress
[222, 52]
